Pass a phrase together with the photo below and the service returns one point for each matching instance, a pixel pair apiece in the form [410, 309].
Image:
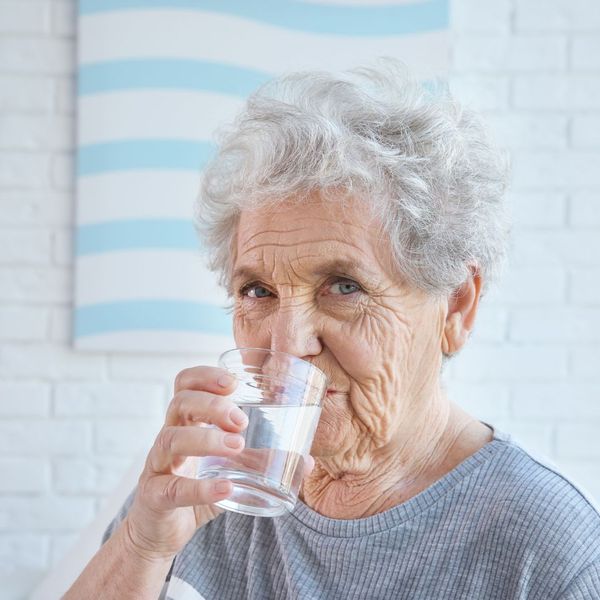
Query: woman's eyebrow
[330, 267]
[344, 266]
[243, 273]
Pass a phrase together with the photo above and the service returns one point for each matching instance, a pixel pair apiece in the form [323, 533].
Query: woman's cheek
[250, 332]
[353, 349]
[334, 432]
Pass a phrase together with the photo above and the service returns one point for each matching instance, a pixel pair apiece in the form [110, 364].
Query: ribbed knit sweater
[502, 525]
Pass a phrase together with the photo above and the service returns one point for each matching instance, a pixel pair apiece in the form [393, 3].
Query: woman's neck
[394, 474]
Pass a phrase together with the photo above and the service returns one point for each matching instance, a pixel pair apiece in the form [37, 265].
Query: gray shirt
[501, 525]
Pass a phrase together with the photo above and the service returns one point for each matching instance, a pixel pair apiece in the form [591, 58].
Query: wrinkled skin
[388, 430]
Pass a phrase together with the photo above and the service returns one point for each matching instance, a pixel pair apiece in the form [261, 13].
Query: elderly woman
[356, 221]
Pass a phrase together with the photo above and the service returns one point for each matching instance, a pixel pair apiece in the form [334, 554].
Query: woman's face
[314, 280]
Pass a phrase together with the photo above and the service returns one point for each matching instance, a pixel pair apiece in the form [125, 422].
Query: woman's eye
[256, 291]
[338, 288]
[344, 288]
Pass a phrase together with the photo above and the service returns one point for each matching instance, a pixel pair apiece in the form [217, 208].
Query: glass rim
[295, 358]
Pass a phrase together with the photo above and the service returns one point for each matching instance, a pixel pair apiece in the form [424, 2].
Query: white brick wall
[70, 423]
[533, 68]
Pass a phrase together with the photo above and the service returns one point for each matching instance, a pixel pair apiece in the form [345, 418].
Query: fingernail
[222, 487]
[238, 416]
[233, 440]
[225, 380]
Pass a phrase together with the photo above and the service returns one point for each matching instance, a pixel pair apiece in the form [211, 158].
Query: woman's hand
[168, 507]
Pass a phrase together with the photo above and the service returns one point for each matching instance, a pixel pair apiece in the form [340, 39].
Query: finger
[165, 492]
[209, 379]
[190, 406]
[174, 442]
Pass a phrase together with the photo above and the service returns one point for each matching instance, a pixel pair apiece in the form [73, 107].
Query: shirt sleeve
[585, 586]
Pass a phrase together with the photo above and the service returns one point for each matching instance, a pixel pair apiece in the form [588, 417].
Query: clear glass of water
[281, 394]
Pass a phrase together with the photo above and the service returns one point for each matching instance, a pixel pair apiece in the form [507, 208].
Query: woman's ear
[462, 310]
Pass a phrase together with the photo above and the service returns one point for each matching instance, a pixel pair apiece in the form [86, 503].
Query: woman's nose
[294, 331]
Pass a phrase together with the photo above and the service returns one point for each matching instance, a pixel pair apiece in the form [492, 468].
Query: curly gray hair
[426, 166]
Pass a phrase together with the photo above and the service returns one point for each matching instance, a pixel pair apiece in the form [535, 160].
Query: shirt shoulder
[546, 510]
[533, 476]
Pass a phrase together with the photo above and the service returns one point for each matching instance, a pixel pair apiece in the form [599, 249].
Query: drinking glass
[281, 395]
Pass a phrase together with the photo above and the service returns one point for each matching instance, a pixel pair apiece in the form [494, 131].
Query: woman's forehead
[298, 235]
[314, 236]
[311, 220]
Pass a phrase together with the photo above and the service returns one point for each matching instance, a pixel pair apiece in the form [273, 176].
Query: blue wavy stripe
[143, 154]
[171, 234]
[151, 315]
[168, 73]
[427, 15]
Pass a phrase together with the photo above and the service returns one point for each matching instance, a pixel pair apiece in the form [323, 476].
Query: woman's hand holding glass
[170, 503]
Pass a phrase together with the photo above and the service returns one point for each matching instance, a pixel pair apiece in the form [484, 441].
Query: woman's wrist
[133, 548]
[121, 570]
[137, 551]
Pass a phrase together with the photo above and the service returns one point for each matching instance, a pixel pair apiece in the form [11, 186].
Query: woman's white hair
[424, 164]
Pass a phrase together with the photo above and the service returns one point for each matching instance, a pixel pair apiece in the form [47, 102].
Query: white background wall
[71, 422]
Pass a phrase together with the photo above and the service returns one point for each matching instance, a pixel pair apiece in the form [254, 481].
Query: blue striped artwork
[173, 73]
[155, 79]
[106, 157]
[99, 238]
[349, 19]
[177, 315]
